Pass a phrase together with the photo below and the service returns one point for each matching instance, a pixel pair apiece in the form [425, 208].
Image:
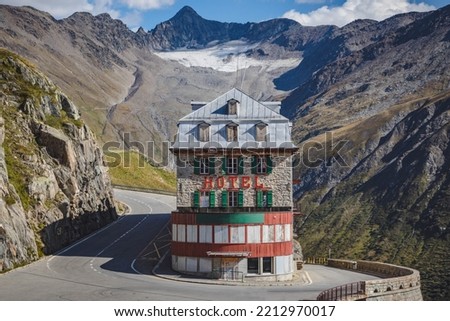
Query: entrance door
[230, 269]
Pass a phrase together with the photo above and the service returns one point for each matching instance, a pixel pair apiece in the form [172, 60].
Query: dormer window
[233, 105]
[203, 132]
[261, 132]
[232, 132]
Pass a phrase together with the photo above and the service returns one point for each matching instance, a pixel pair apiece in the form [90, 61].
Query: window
[204, 199]
[262, 165]
[204, 165]
[221, 234]
[261, 132]
[264, 198]
[232, 132]
[253, 266]
[253, 233]
[203, 132]
[267, 265]
[205, 233]
[232, 198]
[237, 234]
[233, 106]
[232, 165]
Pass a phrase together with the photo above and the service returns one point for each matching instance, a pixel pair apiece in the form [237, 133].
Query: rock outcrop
[54, 188]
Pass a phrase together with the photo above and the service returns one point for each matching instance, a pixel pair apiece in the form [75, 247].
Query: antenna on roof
[237, 72]
[243, 77]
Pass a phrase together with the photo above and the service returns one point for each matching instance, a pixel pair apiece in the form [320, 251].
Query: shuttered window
[241, 165]
[259, 198]
[232, 165]
[212, 165]
[212, 199]
[264, 198]
[254, 164]
[204, 166]
[224, 199]
[204, 199]
[196, 166]
[240, 202]
[233, 198]
[196, 201]
[269, 163]
[262, 165]
[269, 198]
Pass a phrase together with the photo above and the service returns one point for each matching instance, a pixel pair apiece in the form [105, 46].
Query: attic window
[233, 107]
[232, 132]
[261, 132]
[203, 132]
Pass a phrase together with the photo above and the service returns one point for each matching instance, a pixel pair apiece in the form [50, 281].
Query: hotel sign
[232, 182]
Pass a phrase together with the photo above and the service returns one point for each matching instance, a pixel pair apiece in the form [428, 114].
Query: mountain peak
[186, 11]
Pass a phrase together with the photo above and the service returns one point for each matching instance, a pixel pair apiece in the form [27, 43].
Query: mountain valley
[380, 88]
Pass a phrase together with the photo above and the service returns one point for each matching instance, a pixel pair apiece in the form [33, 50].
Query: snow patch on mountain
[227, 57]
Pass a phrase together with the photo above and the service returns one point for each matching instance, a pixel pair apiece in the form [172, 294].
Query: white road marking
[309, 281]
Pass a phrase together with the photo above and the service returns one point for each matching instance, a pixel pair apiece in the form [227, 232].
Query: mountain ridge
[372, 84]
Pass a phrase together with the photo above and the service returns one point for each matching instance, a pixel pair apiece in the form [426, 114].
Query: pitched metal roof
[248, 109]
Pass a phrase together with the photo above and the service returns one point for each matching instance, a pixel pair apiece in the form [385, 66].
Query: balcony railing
[211, 210]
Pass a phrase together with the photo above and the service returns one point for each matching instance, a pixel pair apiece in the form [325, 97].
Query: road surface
[103, 267]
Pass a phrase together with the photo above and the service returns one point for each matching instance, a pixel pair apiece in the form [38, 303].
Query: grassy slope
[129, 168]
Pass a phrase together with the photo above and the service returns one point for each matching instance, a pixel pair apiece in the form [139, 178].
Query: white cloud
[147, 4]
[64, 8]
[133, 19]
[356, 9]
[57, 8]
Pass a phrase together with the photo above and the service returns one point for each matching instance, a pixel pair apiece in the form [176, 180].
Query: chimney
[274, 105]
[197, 104]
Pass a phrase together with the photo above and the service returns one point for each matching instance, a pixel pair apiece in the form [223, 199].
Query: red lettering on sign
[220, 182]
[208, 183]
[245, 182]
[258, 185]
[232, 180]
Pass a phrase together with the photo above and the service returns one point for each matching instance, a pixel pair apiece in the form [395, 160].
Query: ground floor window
[260, 265]
[267, 265]
[253, 266]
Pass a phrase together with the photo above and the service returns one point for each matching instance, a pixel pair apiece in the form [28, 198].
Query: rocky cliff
[53, 186]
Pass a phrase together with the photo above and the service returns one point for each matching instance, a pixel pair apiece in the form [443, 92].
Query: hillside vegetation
[390, 203]
[131, 169]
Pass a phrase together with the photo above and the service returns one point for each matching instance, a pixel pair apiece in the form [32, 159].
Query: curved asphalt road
[102, 267]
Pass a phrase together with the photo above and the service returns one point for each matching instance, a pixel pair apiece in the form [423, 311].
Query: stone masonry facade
[279, 181]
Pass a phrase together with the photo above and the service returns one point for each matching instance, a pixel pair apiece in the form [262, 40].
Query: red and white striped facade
[234, 200]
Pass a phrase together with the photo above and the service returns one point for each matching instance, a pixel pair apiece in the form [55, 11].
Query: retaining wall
[398, 283]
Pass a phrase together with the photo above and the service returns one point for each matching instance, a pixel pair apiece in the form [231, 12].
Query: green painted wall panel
[230, 218]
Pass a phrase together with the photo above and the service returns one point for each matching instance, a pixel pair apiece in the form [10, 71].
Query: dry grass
[129, 168]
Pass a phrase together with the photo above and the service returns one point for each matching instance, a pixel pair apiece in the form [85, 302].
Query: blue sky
[148, 13]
